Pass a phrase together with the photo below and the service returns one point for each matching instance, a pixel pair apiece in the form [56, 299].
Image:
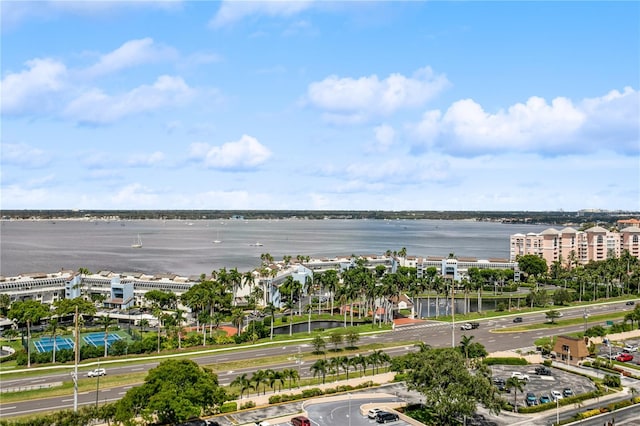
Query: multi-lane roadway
[433, 333]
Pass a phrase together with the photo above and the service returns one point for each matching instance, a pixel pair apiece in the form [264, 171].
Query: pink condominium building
[569, 245]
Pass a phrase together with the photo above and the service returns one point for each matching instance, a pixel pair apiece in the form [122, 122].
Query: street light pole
[453, 322]
[349, 413]
[557, 411]
[98, 384]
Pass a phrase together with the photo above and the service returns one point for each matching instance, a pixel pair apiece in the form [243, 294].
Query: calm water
[187, 248]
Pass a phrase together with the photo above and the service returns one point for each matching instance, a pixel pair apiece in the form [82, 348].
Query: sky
[318, 105]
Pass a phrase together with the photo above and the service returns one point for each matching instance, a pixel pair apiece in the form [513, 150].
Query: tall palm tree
[179, 320]
[105, 322]
[320, 367]
[291, 374]
[52, 329]
[517, 386]
[465, 342]
[290, 305]
[243, 382]
[271, 310]
[260, 377]
[237, 317]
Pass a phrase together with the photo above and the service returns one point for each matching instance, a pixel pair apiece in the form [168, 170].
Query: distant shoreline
[507, 217]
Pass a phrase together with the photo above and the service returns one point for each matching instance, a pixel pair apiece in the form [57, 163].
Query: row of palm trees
[375, 359]
[273, 378]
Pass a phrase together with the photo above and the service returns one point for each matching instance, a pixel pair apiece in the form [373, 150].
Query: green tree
[449, 389]
[336, 338]
[291, 374]
[352, 338]
[5, 303]
[552, 315]
[28, 312]
[532, 265]
[561, 297]
[173, 392]
[319, 344]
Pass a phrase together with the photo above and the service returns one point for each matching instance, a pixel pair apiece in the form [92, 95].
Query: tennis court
[97, 339]
[45, 344]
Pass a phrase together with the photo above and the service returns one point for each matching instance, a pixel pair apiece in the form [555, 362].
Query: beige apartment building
[569, 245]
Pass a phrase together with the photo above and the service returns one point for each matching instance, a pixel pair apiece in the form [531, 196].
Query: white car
[556, 395]
[520, 376]
[373, 413]
[631, 348]
[97, 372]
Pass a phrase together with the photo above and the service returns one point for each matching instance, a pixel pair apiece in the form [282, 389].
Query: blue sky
[320, 105]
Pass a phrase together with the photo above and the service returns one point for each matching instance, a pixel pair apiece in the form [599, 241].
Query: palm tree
[52, 329]
[334, 365]
[243, 382]
[465, 342]
[105, 322]
[291, 374]
[260, 378]
[237, 317]
[320, 368]
[363, 361]
[517, 386]
[271, 310]
[179, 319]
[290, 305]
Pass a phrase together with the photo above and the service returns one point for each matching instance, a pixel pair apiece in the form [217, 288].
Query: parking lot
[540, 384]
[605, 351]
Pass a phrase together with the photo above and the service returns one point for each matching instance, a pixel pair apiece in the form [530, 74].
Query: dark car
[630, 303]
[385, 417]
[543, 371]
[517, 319]
[567, 392]
[544, 399]
[531, 399]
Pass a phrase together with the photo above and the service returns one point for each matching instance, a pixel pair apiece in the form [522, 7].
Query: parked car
[519, 375]
[385, 417]
[556, 395]
[567, 392]
[630, 348]
[531, 399]
[517, 319]
[630, 303]
[97, 372]
[544, 399]
[373, 413]
[543, 371]
[624, 357]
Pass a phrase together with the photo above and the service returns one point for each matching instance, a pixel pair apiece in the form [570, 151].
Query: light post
[585, 315]
[98, 383]
[453, 322]
[557, 411]
[349, 413]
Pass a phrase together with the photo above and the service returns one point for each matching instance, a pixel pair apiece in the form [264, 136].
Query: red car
[624, 357]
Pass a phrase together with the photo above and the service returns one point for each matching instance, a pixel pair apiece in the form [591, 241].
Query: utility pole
[75, 367]
[453, 321]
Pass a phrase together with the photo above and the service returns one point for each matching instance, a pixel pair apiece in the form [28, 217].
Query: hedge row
[505, 361]
[563, 401]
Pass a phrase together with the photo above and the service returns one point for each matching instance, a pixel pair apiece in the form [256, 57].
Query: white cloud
[558, 127]
[97, 107]
[136, 195]
[384, 138]
[131, 53]
[354, 100]
[246, 153]
[231, 12]
[30, 89]
[145, 160]
[24, 156]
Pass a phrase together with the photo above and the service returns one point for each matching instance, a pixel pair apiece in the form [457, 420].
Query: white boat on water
[137, 243]
[217, 240]
[256, 244]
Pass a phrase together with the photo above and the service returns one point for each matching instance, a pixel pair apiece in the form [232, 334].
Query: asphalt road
[433, 333]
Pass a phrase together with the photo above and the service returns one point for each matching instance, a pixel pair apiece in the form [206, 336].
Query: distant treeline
[540, 217]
